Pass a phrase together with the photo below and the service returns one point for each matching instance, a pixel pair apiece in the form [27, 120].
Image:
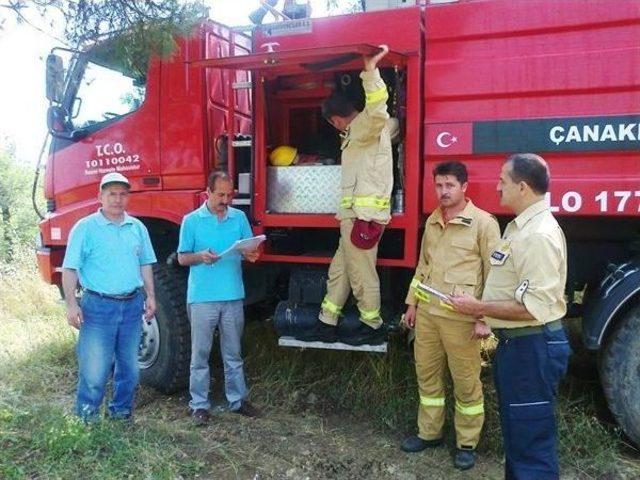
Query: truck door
[228, 101]
[198, 112]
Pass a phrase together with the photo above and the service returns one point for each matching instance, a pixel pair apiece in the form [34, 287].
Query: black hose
[37, 176]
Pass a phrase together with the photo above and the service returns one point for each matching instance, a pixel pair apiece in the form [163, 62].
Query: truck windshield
[104, 93]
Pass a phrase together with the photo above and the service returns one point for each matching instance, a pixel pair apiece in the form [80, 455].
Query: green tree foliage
[346, 6]
[127, 30]
[18, 220]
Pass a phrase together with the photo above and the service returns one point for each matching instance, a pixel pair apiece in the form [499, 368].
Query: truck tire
[619, 367]
[165, 348]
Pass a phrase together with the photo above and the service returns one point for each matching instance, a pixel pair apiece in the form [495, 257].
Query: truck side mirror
[55, 78]
[57, 119]
[59, 126]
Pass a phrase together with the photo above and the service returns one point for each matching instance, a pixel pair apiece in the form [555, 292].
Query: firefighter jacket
[367, 162]
[454, 258]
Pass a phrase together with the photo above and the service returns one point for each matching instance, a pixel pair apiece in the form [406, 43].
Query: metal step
[292, 342]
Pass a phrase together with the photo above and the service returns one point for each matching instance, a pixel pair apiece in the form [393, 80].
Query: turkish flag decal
[449, 139]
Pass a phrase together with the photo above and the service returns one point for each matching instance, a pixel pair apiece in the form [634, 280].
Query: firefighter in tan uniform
[454, 258]
[523, 302]
[364, 210]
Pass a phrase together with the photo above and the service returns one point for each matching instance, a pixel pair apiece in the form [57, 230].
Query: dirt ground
[303, 445]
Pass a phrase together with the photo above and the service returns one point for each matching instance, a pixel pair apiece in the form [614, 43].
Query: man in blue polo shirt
[110, 253]
[215, 294]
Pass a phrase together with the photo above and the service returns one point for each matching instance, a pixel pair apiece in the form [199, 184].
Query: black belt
[123, 296]
[524, 331]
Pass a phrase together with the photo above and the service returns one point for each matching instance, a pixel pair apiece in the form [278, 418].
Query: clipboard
[437, 293]
[245, 245]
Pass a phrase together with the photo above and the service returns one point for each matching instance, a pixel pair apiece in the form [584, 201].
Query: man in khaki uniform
[523, 302]
[366, 183]
[454, 258]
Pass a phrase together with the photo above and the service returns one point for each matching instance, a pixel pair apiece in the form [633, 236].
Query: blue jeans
[228, 317]
[108, 342]
[527, 371]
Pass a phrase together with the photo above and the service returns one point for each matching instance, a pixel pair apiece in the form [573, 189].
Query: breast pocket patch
[499, 256]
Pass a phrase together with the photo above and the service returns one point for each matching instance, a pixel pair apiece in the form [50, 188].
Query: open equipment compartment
[295, 205]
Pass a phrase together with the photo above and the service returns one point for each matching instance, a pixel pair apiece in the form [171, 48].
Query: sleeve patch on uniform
[521, 290]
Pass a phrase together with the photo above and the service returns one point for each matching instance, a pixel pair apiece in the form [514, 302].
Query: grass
[43, 441]
[39, 438]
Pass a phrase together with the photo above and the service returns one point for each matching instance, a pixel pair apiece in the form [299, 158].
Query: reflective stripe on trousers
[476, 409]
[329, 306]
[369, 315]
[432, 401]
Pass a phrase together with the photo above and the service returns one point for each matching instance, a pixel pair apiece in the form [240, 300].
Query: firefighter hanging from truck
[364, 209]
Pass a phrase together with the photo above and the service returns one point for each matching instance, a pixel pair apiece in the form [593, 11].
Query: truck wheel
[619, 367]
[165, 348]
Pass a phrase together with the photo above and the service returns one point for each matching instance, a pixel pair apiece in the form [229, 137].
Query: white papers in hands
[428, 289]
[246, 245]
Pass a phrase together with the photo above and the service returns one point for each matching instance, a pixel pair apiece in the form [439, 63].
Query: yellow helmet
[283, 156]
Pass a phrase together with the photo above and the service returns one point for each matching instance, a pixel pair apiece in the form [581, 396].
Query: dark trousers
[527, 371]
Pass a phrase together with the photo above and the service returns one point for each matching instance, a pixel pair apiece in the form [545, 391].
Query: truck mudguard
[612, 297]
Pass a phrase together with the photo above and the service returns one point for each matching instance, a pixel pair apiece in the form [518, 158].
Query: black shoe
[464, 459]
[415, 444]
[247, 410]
[124, 418]
[365, 335]
[200, 417]
[320, 332]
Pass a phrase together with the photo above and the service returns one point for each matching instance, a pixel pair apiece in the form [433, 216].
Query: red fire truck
[472, 80]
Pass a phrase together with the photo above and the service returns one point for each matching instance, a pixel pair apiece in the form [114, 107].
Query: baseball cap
[114, 177]
[365, 235]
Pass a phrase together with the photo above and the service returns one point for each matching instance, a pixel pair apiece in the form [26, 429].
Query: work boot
[465, 458]
[366, 335]
[415, 444]
[200, 417]
[321, 332]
